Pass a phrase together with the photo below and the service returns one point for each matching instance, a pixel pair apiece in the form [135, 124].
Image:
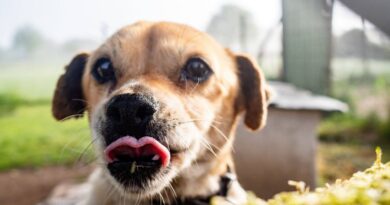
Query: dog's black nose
[131, 112]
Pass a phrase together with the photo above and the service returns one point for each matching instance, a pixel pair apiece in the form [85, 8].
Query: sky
[68, 19]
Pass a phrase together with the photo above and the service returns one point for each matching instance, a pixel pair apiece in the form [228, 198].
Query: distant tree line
[28, 43]
[355, 44]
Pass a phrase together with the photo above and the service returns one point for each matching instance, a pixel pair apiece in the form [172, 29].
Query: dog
[163, 100]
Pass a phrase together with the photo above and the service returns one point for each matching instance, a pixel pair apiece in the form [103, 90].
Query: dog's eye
[196, 70]
[103, 71]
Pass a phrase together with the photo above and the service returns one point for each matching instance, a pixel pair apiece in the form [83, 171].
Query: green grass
[348, 127]
[30, 137]
[10, 101]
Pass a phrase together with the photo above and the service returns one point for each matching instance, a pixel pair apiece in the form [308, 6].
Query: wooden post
[307, 35]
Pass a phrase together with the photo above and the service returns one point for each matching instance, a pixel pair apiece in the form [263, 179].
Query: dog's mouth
[133, 161]
[142, 153]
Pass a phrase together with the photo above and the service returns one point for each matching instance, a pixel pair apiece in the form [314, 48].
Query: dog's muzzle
[133, 152]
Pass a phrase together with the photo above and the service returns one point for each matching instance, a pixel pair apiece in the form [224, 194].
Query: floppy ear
[68, 98]
[254, 94]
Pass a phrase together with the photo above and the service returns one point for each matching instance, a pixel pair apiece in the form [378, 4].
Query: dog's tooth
[156, 157]
[133, 167]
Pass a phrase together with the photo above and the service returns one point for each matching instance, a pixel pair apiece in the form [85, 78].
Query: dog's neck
[208, 178]
[200, 190]
[198, 185]
[201, 179]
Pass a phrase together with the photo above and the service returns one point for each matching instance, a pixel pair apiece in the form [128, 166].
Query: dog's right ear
[68, 98]
[254, 94]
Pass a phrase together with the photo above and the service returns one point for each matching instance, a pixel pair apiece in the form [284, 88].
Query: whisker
[213, 145]
[193, 89]
[162, 198]
[220, 132]
[85, 150]
[72, 116]
[137, 201]
[208, 147]
[109, 194]
[80, 100]
[195, 120]
[172, 190]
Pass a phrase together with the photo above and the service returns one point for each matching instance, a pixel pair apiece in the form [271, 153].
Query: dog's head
[161, 98]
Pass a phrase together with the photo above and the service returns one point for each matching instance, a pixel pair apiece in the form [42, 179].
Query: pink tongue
[144, 146]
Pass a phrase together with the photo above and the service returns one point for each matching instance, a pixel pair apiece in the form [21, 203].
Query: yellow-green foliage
[370, 187]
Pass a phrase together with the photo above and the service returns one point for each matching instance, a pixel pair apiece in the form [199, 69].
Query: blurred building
[286, 148]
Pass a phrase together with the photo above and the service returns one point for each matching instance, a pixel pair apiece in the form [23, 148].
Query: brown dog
[163, 101]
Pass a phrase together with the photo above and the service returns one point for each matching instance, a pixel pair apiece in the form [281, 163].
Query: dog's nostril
[144, 113]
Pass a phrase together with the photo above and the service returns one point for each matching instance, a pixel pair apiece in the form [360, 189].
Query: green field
[29, 135]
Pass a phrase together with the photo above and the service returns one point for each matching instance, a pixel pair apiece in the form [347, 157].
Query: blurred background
[334, 48]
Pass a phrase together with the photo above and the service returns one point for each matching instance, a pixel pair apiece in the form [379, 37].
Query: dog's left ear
[253, 94]
[68, 98]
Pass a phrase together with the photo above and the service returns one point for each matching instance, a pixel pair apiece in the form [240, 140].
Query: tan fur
[149, 56]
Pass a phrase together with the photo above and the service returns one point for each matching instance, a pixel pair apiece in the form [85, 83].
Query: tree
[27, 41]
[234, 27]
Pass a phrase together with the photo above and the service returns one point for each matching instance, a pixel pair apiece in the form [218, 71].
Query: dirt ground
[30, 186]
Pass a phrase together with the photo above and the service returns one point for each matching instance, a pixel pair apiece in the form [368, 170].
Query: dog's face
[161, 98]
